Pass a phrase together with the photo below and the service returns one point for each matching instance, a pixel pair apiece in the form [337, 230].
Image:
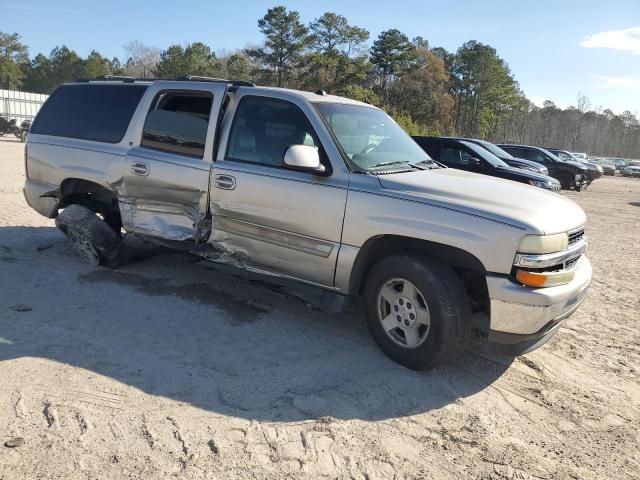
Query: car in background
[579, 156]
[632, 169]
[607, 166]
[469, 156]
[595, 171]
[509, 159]
[569, 174]
[620, 163]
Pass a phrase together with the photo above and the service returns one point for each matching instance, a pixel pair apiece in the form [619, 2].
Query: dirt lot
[170, 368]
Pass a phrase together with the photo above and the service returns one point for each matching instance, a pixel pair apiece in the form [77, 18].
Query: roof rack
[186, 78]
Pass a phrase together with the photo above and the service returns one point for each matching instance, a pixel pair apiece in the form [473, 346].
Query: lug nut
[398, 318]
[406, 322]
[401, 301]
[408, 305]
[395, 308]
[412, 316]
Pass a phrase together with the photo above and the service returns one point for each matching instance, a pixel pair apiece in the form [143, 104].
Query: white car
[632, 169]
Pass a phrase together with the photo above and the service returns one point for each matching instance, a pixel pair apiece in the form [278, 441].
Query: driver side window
[264, 128]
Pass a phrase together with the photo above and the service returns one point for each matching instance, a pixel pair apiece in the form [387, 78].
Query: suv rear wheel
[417, 310]
[95, 242]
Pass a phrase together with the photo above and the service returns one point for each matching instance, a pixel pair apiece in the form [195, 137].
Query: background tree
[194, 59]
[392, 55]
[141, 59]
[285, 40]
[13, 56]
[424, 94]
[336, 58]
[238, 67]
[483, 89]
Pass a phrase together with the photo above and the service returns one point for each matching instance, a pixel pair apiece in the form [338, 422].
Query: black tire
[23, 136]
[445, 297]
[94, 241]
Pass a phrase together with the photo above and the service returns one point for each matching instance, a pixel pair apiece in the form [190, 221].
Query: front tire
[417, 310]
[92, 239]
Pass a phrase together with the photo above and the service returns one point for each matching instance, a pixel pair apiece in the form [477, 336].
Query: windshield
[634, 164]
[485, 154]
[496, 150]
[370, 138]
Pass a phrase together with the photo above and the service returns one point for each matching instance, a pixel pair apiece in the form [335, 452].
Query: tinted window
[454, 156]
[263, 129]
[534, 155]
[177, 123]
[89, 112]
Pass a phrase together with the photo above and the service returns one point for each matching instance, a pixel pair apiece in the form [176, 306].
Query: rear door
[164, 187]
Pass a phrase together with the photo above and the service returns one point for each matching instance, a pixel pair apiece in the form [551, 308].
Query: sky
[555, 49]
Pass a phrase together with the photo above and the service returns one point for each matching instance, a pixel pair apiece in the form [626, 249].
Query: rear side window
[455, 156]
[100, 113]
[177, 123]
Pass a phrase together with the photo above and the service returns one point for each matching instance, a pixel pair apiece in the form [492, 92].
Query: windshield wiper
[386, 164]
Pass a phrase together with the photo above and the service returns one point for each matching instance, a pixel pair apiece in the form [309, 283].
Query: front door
[272, 218]
[164, 188]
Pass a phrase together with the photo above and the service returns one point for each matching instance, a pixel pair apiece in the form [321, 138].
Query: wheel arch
[468, 267]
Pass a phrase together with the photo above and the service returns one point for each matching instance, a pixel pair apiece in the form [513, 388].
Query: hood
[523, 206]
[522, 161]
[579, 165]
[528, 175]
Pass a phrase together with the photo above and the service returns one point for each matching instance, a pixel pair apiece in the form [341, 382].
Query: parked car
[632, 169]
[607, 166]
[595, 170]
[569, 174]
[469, 156]
[510, 160]
[620, 164]
[314, 188]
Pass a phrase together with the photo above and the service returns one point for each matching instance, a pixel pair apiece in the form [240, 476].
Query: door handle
[139, 168]
[226, 182]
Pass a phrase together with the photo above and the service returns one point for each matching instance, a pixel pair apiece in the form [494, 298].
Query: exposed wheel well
[93, 196]
[470, 270]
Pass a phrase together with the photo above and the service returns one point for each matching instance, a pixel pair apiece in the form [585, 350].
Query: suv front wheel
[417, 310]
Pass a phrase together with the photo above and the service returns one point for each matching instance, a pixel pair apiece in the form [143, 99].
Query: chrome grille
[576, 236]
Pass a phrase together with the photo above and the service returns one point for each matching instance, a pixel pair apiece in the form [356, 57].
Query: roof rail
[186, 78]
[199, 78]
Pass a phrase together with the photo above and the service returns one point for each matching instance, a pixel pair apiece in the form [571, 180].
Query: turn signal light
[550, 279]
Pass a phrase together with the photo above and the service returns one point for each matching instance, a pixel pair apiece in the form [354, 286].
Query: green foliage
[484, 87]
[285, 40]
[334, 60]
[392, 54]
[194, 59]
[13, 57]
[238, 67]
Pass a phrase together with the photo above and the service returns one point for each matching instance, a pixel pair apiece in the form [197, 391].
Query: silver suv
[316, 188]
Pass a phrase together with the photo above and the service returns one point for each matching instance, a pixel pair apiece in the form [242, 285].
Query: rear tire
[93, 240]
[417, 310]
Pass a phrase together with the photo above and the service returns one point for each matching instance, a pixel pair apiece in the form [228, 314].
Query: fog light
[545, 279]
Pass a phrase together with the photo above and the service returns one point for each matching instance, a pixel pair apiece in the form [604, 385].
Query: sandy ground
[171, 368]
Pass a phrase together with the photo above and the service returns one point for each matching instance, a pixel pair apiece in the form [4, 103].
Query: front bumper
[523, 318]
[631, 173]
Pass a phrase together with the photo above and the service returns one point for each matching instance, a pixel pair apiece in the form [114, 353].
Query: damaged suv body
[315, 188]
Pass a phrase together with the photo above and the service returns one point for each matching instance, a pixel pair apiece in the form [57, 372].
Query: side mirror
[475, 162]
[303, 157]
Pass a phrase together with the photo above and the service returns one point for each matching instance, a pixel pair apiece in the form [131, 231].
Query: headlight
[600, 169]
[541, 184]
[531, 169]
[542, 244]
